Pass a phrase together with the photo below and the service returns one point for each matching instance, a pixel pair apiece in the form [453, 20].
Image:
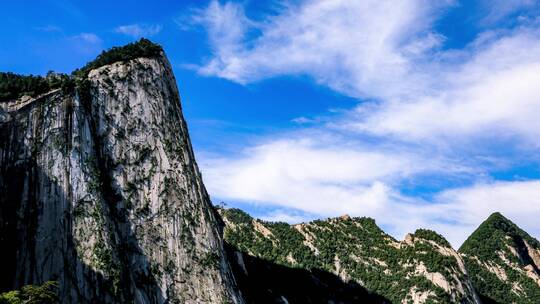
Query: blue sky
[417, 113]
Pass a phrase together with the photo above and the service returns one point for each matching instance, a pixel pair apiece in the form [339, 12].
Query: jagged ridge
[422, 268]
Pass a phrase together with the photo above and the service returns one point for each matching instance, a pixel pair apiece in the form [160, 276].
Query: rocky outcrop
[452, 277]
[99, 190]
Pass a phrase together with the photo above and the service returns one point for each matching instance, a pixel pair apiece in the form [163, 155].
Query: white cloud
[284, 216]
[90, 38]
[319, 176]
[495, 93]
[498, 9]
[356, 47]
[88, 44]
[226, 25]
[326, 182]
[139, 30]
[325, 177]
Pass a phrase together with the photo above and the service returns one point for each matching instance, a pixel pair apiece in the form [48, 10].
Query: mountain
[373, 267]
[101, 201]
[504, 262]
[99, 188]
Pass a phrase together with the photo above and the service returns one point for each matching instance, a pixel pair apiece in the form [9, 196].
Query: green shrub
[141, 48]
[14, 86]
[431, 235]
[31, 294]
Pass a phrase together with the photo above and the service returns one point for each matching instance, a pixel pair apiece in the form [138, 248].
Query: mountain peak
[494, 227]
[497, 217]
[504, 261]
[142, 48]
[15, 87]
[345, 217]
[103, 170]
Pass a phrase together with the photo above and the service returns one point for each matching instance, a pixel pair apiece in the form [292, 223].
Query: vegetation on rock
[142, 48]
[431, 235]
[355, 249]
[31, 294]
[500, 258]
[14, 86]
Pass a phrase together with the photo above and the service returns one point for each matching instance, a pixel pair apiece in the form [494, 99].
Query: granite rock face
[99, 190]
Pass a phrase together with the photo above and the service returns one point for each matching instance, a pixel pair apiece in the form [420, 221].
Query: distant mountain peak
[497, 218]
[504, 261]
[494, 227]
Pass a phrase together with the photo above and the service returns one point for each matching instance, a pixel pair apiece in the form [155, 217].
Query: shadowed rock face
[100, 191]
[262, 281]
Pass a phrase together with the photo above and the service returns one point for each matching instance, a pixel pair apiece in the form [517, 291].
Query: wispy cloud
[304, 120]
[494, 94]
[139, 30]
[88, 38]
[49, 28]
[499, 9]
[356, 47]
[85, 43]
[226, 26]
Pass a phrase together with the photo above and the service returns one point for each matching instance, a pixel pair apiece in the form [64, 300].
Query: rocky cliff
[99, 190]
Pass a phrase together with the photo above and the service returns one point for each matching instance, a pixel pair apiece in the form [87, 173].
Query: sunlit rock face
[99, 190]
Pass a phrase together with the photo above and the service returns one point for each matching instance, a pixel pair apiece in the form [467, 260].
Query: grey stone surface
[99, 190]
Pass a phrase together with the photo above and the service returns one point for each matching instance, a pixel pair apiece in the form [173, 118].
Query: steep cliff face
[99, 190]
[504, 262]
[421, 269]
